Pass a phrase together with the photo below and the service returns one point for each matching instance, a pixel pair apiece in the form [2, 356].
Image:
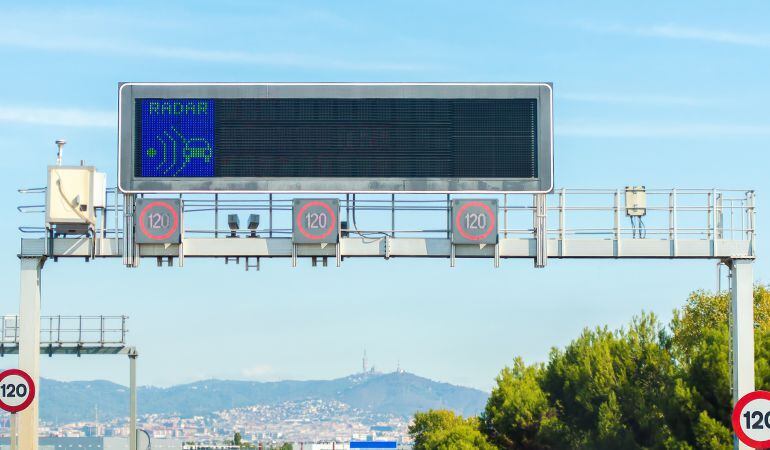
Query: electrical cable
[363, 234]
[69, 203]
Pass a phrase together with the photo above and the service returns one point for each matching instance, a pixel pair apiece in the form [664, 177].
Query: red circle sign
[463, 232]
[17, 390]
[168, 233]
[332, 220]
[751, 419]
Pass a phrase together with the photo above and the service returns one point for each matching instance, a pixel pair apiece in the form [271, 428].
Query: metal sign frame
[462, 236]
[330, 228]
[171, 234]
[129, 183]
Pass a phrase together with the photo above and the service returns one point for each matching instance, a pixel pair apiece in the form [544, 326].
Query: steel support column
[14, 432]
[742, 329]
[132, 355]
[29, 345]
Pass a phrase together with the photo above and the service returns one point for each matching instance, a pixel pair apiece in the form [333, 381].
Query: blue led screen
[473, 138]
[176, 137]
[373, 444]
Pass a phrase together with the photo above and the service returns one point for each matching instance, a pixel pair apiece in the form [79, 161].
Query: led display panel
[335, 137]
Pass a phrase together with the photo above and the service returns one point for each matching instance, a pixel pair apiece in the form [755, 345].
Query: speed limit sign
[157, 220]
[17, 390]
[751, 419]
[315, 220]
[474, 221]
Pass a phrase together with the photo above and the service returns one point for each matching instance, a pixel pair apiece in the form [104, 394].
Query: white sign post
[751, 419]
[17, 391]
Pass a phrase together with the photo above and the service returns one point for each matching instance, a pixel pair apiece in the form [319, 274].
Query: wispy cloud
[672, 31]
[657, 130]
[634, 99]
[58, 116]
[155, 51]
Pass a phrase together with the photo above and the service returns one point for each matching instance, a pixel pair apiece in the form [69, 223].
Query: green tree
[706, 311]
[238, 440]
[518, 410]
[614, 390]
[443, 430]
[700, 347]
[711, 435]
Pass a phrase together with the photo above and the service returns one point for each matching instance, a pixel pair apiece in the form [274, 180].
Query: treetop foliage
[646, 386]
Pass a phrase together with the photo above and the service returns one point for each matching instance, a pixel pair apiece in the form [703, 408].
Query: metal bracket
[338, 254]
[254, 266]
[539, 219]
[130, 249]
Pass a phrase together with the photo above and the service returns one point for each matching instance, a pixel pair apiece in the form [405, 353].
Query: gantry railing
[69, 334]
[574, 213]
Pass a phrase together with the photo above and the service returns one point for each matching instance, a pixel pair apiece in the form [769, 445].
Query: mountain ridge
[395, 393]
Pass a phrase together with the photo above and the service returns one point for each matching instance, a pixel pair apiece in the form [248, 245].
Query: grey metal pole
[270, 214]
[12, 437]
[29, 345]
[216, 215]
[719, 277]
[392, 215]
[742, 330]
[132, 402]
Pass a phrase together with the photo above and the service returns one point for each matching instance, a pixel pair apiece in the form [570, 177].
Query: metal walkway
[70, 335]
[701, 224]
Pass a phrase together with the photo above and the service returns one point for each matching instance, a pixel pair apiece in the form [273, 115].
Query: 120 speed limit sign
[474, 221]
[17, 390]
[315, 220]
[751, 419]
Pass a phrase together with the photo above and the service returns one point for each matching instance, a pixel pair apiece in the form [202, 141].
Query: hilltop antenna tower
[363, 363]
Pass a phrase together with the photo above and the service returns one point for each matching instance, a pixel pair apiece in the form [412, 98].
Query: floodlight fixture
[253, 224]
[234, 222]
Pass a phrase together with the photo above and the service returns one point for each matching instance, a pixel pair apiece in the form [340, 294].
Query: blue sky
[673, 94]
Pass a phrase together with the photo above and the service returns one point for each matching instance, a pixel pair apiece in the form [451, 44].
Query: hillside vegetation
[397, 393]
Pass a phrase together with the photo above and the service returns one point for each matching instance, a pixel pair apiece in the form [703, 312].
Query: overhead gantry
[680, 224]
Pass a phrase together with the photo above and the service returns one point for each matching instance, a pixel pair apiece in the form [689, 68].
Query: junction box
[636, 201]
[72, 196]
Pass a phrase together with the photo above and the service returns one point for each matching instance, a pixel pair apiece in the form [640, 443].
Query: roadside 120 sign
[751, 419]
[157, 220]
[315, 220]
[474, 221]
[17, 390]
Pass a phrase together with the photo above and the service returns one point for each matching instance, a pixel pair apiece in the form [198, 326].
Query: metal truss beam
[51, 350]
[401, 247]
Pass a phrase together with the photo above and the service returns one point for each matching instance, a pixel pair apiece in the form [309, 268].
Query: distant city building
[374, 445]
[210, 447]
[95, 443]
